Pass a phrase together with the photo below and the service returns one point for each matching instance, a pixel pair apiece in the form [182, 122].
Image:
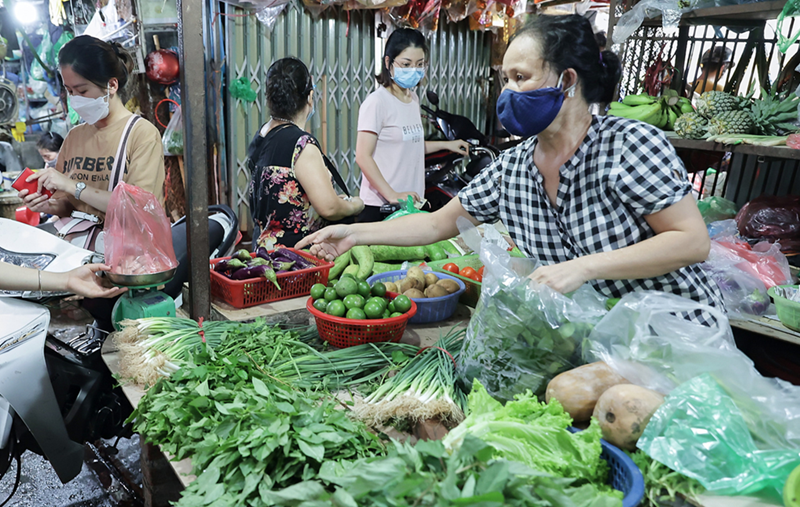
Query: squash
[623, 412]
[579, 389]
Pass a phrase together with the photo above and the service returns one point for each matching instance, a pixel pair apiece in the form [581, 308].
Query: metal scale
[143, 298]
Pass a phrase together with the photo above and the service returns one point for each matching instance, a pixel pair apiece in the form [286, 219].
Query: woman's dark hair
[97, 60]
[400, 40]
[568, 42]
[288, 86]
[50, 141]
[602, 40]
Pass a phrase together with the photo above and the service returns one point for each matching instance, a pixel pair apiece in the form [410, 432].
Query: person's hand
[84, 282]
[458, 146]
[358, 204]
[564, 277]
[401, 197]
[330, 242]
[53, 180]
[35, 202]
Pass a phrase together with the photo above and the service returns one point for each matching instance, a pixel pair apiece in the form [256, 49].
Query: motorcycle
[56, 393]
[446, 173]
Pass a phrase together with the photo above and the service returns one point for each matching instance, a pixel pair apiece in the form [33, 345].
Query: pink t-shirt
[400, 151]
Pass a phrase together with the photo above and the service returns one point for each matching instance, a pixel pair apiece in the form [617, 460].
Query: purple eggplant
[258, 261]
[263, 253]
[281, 267]
[262, 271]
[286, 255]
[228, 265]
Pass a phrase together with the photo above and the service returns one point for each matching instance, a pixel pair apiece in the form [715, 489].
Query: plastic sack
[669, 9]
[701, 433]
[44, 51]
[791, 9]
[773, 219]
[406, 208]
[241, 89]
[646, 339]
[714, 209]
[173, 135]
[763, 260]
[522, 335]
[268, 14]
[138, 239]
[743, 293]
[722, 228]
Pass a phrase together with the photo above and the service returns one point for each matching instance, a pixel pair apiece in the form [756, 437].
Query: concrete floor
[40, 486]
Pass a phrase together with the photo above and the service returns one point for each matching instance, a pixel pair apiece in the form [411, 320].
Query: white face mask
[91, 110]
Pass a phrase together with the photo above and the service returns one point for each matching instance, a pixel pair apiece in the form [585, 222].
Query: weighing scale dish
[141, 280]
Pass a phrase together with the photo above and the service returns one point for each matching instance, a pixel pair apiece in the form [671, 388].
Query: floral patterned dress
[278, 203]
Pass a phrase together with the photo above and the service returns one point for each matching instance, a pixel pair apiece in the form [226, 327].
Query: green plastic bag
[714, 209]
[406, 208]
[241, 89]
[791, 9]
[44, 51]
[701, 433]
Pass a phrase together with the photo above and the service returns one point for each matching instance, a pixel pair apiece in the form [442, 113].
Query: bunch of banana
[657, 111]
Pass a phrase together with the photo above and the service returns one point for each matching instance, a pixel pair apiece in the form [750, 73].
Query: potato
[579, 389]
[390, 286]
[624, 411]
[417, 274]
[407, 284]
[449, 285]
[430, 279]
[414, 294]
[436, 291]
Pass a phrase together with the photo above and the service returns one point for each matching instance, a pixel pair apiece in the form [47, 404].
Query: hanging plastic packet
[791, 9]
[407, 207]
[173, 135]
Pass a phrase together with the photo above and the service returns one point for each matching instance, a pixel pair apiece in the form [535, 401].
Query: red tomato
[480, 271]
[467, 272]
[450, 267]
[475, 276]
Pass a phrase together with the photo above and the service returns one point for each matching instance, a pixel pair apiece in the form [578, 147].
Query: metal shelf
[762, 151]
[744, 14]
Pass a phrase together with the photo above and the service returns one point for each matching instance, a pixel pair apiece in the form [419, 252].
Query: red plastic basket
[342, 333]
[256, 291]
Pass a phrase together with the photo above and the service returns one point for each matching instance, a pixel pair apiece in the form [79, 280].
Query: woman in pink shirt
[391, 145]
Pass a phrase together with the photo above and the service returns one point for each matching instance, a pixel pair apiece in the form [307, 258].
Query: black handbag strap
[335, 173]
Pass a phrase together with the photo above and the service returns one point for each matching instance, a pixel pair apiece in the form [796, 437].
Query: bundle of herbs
[663, 485]
[425, 388]
[248, 433]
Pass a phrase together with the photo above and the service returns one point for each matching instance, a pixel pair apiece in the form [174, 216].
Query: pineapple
[691, 126]
[773, 116]
[713, 103]
[731, 122]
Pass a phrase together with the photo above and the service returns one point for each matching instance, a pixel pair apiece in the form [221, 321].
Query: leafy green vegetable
[520, 337]
[426, 475]
[662, 483]
[534, 434]
[248, 434]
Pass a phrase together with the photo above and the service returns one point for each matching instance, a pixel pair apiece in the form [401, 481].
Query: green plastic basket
[788, 310]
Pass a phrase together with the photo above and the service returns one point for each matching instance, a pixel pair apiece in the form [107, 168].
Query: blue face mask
[408, 77]
[527, 114]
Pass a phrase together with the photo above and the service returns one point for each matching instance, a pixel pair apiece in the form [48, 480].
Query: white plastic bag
[646, 339]
[173, 135]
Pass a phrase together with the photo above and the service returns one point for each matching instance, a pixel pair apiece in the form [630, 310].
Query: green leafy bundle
[246, 432]
[427, 475]
[661, 483]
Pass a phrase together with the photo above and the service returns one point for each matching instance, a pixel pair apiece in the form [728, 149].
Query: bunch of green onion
[425, 388]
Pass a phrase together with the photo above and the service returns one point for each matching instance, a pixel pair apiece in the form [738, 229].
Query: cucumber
[382, 267]
[383, 253]
[449, 248]
[339, 264]
[363, 256]
[352, 269]
[436, 252]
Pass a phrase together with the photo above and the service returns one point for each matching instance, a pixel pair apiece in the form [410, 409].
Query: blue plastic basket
[625, 476]
[428, 309]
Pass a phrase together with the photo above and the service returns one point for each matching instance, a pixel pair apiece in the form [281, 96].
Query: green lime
[390, 307]
[354, 301]
[395, 314]
[331, 283]
[384, 304]
[356, 313]
[317, 291]
[346, 286]
[402, 304]
[386, 314]
[379, 289]
[363, 289]
[321, 304]
[336, 308]
[373, 310]
[330, 294]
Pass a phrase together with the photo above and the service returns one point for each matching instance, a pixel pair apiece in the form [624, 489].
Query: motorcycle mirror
[433, 98]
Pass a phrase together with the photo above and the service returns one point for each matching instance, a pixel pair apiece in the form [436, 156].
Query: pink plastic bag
[138, 240]
[772, 218]
[763, 261]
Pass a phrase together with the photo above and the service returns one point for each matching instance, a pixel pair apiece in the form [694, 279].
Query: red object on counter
[793, 141]
[26, 216]
[32, 187]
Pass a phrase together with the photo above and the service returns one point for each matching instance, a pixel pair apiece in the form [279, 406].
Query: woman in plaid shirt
[595, 199]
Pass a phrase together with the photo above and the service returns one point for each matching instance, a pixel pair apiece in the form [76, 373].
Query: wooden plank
[763, 151]
[767, 327]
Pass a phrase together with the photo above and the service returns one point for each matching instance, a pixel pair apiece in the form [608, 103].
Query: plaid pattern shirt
[623, 171]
